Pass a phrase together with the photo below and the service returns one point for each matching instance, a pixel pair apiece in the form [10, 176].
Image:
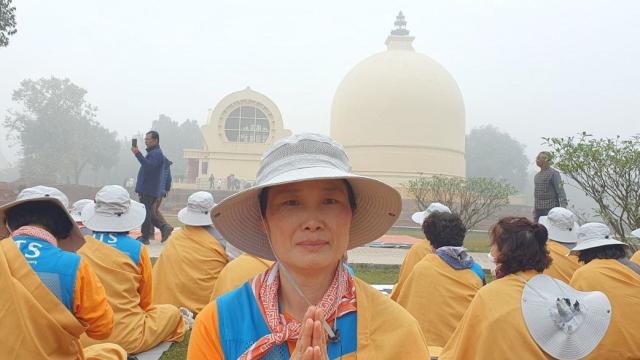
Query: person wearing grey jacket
[548, 190]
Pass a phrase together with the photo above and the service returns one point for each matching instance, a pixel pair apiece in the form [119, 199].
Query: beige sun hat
[198, 210]
[36, 193]
[113, 211]
[420, 216]
[561, 225]
[591, 235]
[299, 158]
[76, 209]
[564, 322]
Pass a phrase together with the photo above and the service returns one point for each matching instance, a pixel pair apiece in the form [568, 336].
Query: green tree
[7, 21]
[57, 132]
[608, 171]
[174, 138]
[492, 153]
[474, 199]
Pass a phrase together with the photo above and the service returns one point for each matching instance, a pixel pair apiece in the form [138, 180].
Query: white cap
[591, 235]
[420, 216]
[76, 208]
[198, 210]
[564, 322]
[636, 233]
[561, 225]
[113, 211]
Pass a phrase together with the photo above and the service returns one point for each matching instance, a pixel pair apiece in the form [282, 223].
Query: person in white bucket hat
[305, 211]
[51, 295]
[418, 250]
[76, 214]
[607, 269]
[636, 257]
[188, 267]
[562, 228]
[124, 267]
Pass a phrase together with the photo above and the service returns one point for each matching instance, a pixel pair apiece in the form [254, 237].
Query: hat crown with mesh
[113, 200]
[561, 218]
[300, 151]
[593, 231]
[40, 191]
[200, 202]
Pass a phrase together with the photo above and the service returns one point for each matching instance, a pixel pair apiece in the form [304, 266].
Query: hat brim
[418, 217]
[546, 333]
[636, 233]
[112, 223]
[590, 244]
[194, 219]
[239, 220]
[560, 235]
[4, 232]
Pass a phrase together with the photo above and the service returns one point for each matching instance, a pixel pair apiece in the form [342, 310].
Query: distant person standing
[149, 184]
[212, 181]
[548, 190]
[165, 186]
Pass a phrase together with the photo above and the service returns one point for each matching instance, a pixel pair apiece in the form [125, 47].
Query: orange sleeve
[145, 288]
[90, 303]
[205, 338]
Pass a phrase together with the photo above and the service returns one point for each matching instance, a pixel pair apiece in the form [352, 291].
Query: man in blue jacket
[149, 184]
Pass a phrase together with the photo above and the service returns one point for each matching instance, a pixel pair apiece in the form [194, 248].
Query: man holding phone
[149, 184]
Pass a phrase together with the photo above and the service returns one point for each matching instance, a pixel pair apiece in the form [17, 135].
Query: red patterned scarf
[339, 299]
[36, 232]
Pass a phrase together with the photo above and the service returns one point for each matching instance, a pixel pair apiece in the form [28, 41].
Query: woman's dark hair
[264, 195]
[43, 213]
[522, 245]
[602, 252]
[444, 229]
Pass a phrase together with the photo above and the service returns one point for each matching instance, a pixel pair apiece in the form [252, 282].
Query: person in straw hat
[447, 278]
[562, 229]
[607, 269]
[123, 265]
[76, 214]
[49, 294]
[636, 257]
[419, 250]
[188, 267]
[493, 326]
[305, 211]
[237, 272]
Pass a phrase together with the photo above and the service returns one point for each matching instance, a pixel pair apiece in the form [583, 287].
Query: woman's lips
[312, 244]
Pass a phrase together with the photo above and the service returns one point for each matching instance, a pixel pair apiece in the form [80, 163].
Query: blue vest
[241, 324]
[57, 269]
[122, 242]
[477, 269]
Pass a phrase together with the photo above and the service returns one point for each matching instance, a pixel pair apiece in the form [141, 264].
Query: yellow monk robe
[622, 287]
[34, 324]
[636, 257]
[562, 267]
[438, 295]
[188, 268]
[493, 326]
[417, 252]
[135, 329]
[385, 330]
[237, 272]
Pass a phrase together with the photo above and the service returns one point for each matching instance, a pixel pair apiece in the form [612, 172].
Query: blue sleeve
[167, 185]
[153, 160]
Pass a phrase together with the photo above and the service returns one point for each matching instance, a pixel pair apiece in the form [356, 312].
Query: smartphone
[134, 142]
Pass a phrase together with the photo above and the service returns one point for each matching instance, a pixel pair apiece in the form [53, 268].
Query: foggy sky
[532, 68]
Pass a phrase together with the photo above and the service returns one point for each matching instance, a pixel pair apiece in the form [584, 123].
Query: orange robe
[636, 257]
[622, 287]
[237, 272]
[417, 252]
[563, 265]
[493, 326]
[34, 324]
[188, 268]
[384, 330]
[438, 295]
[136, 329]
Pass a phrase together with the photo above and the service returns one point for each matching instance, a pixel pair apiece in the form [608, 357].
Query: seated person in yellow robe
[237, 272]
[123, 265]
[636, 257]
[562, 228]
[419, 250]
[442, 285]
[192, 258]
[607, 269]
[305, 211]
[49, 296]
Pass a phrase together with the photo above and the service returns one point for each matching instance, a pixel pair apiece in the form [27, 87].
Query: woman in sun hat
[304, 212]
[49, 294]
[124, 267]
[188, 267]
[636, 257]
[607, 269]
[76, 214]
[493, 326]
[562, 229]
[420, 249]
